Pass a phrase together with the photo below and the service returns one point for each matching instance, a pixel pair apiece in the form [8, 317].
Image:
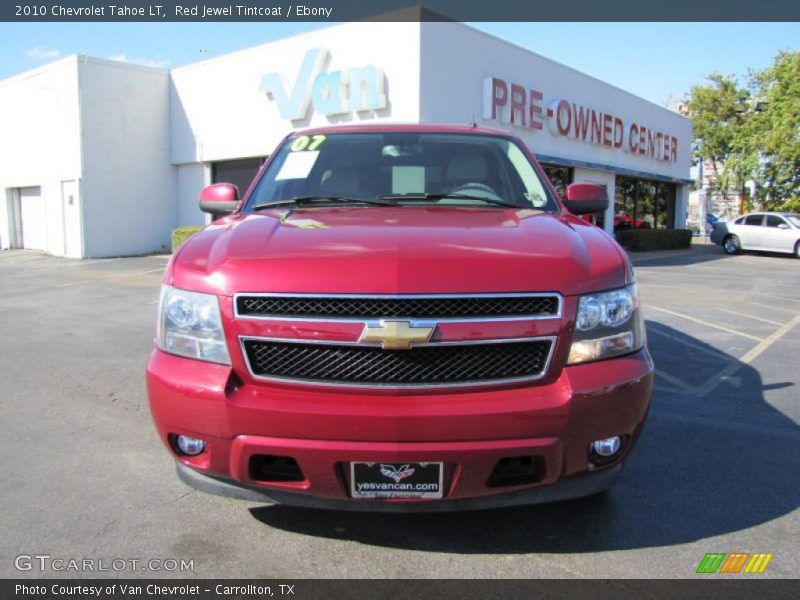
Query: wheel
[797, 250]
[731, 245]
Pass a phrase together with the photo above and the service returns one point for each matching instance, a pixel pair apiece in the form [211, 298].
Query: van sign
[328, 92]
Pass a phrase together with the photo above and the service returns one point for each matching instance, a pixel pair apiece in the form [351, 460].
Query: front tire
[731, 245]
[797, 250]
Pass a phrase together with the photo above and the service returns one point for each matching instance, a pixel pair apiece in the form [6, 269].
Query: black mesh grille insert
[517, 470]
[267, 467]
[386, 308]
[426, 365]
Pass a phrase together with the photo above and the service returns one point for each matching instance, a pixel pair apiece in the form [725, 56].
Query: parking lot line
[89, 262]
[106, 277]
[135, 273]
[727, 373]
[748, 357]
[70, 284]
[681, 385]
[729, 425]
[733, 312]
[769, 340]
[770, 306]
[669, 390]
[706, 323]
[718, 354]
[777, 297]
[684, 274]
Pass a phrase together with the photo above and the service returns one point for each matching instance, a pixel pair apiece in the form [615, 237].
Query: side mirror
[783, 226]
[219, 199]
[586, 198]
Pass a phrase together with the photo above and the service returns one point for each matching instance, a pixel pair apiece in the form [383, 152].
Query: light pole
[754, 107]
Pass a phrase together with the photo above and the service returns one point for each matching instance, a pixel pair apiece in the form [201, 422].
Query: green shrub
[643, 240]
[790, 205]
[181, 234]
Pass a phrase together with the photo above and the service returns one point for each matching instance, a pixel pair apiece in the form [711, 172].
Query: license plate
[396, 480]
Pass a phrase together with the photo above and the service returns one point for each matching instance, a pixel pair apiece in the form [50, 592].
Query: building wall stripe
[569, 162]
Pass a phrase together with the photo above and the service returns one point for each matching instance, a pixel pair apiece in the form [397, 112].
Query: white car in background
[767, 231]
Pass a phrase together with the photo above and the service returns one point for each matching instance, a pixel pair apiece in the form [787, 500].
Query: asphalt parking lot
[83, 474]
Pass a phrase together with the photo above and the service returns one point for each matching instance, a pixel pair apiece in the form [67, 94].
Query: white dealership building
[103, 158]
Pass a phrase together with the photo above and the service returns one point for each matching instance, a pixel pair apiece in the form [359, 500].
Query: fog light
[190, 446]
[607, 447]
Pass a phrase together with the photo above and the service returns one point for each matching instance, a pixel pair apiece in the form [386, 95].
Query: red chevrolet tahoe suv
[400, 317]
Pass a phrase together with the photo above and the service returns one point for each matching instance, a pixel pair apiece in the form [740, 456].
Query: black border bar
[706, 587]
[397, 10]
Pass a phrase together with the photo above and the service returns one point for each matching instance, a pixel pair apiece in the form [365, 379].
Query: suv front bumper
[574, 487]
[468, 431]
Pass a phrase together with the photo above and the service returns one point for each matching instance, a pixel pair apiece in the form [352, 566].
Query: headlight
[608, 324]
[189, 325]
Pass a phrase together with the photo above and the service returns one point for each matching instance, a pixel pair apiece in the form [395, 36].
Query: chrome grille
[389, 307]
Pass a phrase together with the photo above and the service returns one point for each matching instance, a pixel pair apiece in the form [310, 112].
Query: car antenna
[474, 123]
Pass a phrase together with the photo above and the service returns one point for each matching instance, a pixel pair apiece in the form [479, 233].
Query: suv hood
[399, 250]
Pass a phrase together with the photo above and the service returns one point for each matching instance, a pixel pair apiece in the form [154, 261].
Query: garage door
[34, 218]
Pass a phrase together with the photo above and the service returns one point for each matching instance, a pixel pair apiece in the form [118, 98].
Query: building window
[239, 172]
[624, 203]
[643, 204]
[560, 176]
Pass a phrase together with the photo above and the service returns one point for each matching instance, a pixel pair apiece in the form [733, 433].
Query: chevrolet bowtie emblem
[396, 335]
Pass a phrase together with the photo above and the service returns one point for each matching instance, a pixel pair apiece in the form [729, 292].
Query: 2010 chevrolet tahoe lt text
[400, 317]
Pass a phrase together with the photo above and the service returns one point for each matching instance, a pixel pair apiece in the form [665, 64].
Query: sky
[657, 61]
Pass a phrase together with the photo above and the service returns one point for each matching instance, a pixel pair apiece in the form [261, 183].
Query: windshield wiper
[429, 196]
[300, 200]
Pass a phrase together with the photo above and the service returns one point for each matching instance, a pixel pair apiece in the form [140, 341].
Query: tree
[719, 115]
[752, 131]
[776, 132]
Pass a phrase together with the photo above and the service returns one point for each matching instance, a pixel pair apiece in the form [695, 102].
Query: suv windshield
[403, 168]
